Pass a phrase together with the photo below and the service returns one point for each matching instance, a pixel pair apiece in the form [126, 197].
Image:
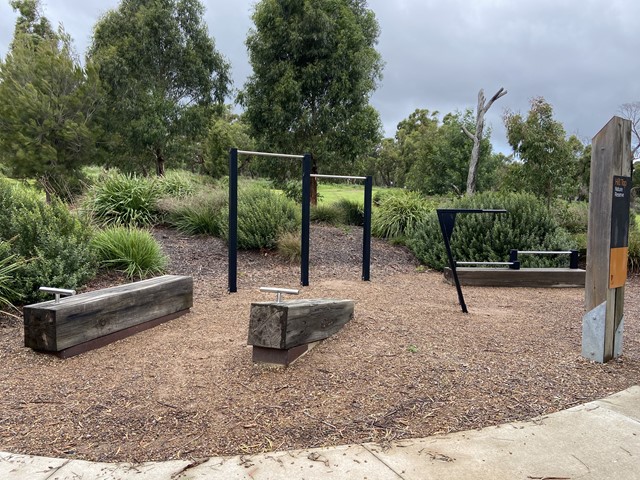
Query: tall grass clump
[179, 183]
[50, 243]
[263, 215]
[351, 212]
[290, 246]
[122, 199]
[528, 225]
[201, 214]
[398, 215]
[9, 265]
[131, 250]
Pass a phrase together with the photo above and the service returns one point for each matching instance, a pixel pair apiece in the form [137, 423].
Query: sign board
[619, 247]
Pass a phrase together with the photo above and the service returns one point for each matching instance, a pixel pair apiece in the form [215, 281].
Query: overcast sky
[582, 56]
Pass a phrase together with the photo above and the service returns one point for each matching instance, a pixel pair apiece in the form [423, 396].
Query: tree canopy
[314, 69]
[48, 103]
[162, 74]
[550, 160]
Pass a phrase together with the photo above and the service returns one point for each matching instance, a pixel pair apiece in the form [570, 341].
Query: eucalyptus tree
[314, 68]
[162, 75]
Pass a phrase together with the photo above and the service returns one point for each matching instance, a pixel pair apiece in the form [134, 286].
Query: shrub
[398, 215]
[289, 246]
[351, 212]
[178, 184]
[201, 214]
[262, 216]
[330, 213]
[130, 250]
[528, 225]
[121, 199]
[51, 244]
[572, 216]
[293, 190]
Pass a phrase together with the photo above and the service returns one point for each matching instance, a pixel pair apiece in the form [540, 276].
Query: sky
[582, 56]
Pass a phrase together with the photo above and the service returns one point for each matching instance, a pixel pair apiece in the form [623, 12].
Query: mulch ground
[409, 364]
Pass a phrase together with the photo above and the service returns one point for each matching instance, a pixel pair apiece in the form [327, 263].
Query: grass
[334, 192]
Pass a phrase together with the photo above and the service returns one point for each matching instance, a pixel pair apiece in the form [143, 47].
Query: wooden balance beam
[525, 277]
[281, 332]
[91, 320]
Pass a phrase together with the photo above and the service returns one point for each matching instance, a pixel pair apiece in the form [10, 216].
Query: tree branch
[468, 133]
[500, 93]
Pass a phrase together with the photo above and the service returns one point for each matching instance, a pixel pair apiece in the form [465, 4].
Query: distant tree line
[154, 92]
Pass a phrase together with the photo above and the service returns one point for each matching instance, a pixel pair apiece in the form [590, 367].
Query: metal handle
[57, 292]
[279, 292]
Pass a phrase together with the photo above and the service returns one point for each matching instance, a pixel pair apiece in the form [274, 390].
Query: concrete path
[598, 440]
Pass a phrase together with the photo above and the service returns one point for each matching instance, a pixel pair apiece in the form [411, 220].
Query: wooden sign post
[607, 242]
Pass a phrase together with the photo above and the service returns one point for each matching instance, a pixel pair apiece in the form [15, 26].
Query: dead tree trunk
[477, 137]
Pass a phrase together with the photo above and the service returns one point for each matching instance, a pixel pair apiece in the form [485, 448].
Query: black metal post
[233, 220]
[573, 259]
[447, 221]
[306, 220]
[366, 229]
[513, 258]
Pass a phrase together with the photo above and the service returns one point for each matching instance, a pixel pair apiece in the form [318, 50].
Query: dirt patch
[410, 364]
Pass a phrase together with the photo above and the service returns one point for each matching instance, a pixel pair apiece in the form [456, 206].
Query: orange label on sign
[618, 258]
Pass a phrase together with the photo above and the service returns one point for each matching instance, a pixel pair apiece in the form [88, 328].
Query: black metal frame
[447, 220]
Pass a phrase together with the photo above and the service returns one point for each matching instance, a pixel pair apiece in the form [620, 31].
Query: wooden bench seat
[94, 319]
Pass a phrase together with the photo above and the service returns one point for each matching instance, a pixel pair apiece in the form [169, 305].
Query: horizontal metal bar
[484, 263]
[267, 154]
[338, 176]
[545, 252]
[290, 291]
[59, 291]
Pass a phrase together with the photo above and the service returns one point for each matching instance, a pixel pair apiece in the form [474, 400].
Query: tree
[477, 137]
[314, 69]
[162, 76]
[225, 132]
[48, 103]
[547, 156]
[631, 111]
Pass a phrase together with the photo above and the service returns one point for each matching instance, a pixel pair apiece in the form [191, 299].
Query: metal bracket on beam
[280, 291]
[57, 292]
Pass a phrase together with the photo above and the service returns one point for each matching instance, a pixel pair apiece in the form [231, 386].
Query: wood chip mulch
[409, 364]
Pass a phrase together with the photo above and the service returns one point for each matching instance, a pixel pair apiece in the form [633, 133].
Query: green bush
[485, 237]
[121, 199]
[179, 183]
[263, 215]
[572, 216]
[200, 214]
[398, 215]
[351, 212]
[293, 190]
[327, 213]
[51, 244]
[130, 250]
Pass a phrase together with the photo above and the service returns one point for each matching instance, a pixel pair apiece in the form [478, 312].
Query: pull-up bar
[267, 154]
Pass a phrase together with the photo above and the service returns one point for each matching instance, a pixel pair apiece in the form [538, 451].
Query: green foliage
[551, 162]
[51, 244]
[351, 212]
[314, 69]
[528, 225]
[121, 199]
[327, 213]
[634, 250]
[178, 184]
[289, 246]
[225, 132]
[263, 215]
[293, 190]
[130, 250]
[432, 156]
[162, 75]
[9, 264]
[572, 216]
[201, 214]
[398, 215]
[48, 104]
